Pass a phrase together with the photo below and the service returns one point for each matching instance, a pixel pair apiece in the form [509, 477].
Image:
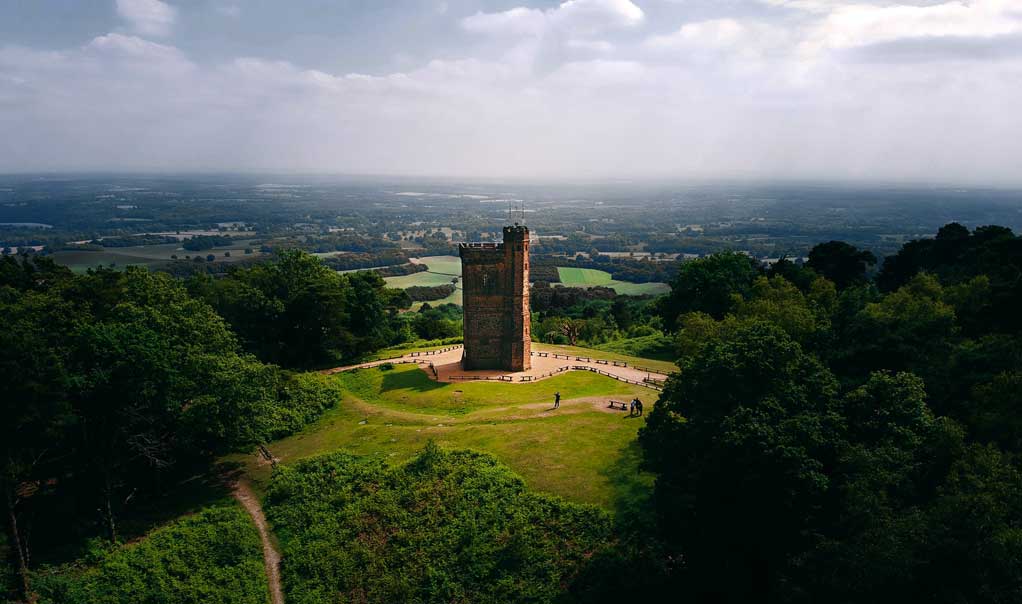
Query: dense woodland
[831, 439]
[116, 386]
[844, 430]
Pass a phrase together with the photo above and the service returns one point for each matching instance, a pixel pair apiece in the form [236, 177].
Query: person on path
[557, 400]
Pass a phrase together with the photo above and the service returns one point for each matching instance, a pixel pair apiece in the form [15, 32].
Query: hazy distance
[915, 90]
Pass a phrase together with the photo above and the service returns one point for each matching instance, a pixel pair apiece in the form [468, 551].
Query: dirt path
[271, 557]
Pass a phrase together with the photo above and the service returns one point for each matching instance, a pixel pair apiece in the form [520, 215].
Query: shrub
[446, 527]
[214, 556]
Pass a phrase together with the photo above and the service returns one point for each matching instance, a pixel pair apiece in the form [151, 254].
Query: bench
[618, 404]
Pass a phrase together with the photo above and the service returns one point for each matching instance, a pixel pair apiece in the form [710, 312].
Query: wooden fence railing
[426, 353]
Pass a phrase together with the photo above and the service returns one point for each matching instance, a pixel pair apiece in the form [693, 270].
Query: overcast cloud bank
[585, 88]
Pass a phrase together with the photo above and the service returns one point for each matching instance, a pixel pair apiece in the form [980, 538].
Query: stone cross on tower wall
[495, 284]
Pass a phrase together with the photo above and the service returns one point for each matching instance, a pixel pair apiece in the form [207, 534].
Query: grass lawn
[407, 388]
[590, 277]
[658, 365]
[657, 347]
[580, 451]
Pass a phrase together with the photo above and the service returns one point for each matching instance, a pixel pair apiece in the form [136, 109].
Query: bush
[255, 403]
[303, 398]
[214, 556]
[446, 527]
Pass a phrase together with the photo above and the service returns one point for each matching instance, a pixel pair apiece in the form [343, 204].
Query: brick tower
[495, 284]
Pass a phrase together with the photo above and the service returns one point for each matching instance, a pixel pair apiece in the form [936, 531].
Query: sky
[867, 90]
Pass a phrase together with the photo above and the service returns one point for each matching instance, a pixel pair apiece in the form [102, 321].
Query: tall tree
[842, 263]
[34, 411]
[708, 285]
[741, 445]
[298, 312]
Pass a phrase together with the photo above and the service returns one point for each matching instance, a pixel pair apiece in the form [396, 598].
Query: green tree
[801, 276]
[297, 312]
[778, 301]
[137, 363]
[911, 329]
[842, 263]
[34, 409]
[708, 285]
[741, 444]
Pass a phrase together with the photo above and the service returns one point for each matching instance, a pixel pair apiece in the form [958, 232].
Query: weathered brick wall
[495, 284]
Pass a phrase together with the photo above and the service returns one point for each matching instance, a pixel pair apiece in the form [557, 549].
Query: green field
[590, 277]
[144, 255]
[581, 451]
[441, 269]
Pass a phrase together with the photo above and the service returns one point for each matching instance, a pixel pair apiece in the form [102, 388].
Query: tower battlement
[495, 284]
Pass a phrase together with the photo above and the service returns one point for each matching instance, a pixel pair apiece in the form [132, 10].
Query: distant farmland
[589, 277]
[145, 255]
[442, 270]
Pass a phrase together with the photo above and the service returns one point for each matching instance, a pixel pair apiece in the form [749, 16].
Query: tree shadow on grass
[415, 380]
[633, 487]
[72, 522]
[635, 550]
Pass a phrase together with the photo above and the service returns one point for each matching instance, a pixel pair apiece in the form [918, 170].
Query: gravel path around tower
[447, 367]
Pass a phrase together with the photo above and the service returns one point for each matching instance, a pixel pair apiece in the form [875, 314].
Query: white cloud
[854, 25]
[516, 21]
[727, 43]
[714, 33]
[575, 17]
[148, 17]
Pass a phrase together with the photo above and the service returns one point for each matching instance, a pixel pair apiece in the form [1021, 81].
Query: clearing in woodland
[582, 451]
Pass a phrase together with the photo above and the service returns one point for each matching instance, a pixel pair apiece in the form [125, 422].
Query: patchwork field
[582, 451]
[82, 260]
[589, 277]
[441, 270]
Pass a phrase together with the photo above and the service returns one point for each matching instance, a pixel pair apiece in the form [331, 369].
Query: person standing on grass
[557, 399]
[631, 407]
[638, 405]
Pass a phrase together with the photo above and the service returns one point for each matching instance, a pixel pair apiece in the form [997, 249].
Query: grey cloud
[939, 48]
